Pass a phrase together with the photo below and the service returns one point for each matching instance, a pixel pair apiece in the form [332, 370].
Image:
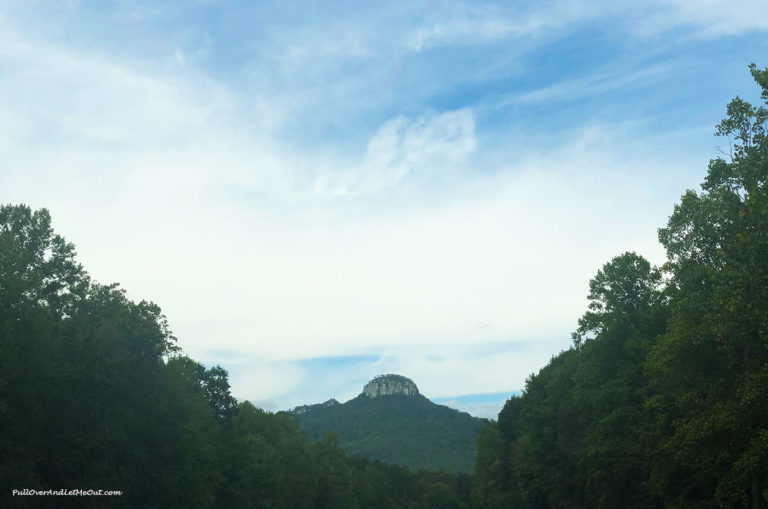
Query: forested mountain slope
[397, 426]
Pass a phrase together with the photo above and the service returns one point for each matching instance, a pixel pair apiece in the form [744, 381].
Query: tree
[94, 393]
[711, 367]
[624, 289]
[211, 383]
[40, 283]
[661, 400]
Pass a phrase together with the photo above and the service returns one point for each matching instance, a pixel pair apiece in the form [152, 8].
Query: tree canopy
[661, 400]
[659, 403]
[96, 394]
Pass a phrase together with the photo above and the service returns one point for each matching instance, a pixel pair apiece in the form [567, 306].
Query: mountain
[392, 422]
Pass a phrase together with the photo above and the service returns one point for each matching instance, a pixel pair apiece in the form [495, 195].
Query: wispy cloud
[431, 145]
[460, 24]
[360, 187]
[710, 18]
[588, 86]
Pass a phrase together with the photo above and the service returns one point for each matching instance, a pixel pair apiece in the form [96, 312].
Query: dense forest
[662, 401]
[95, 394]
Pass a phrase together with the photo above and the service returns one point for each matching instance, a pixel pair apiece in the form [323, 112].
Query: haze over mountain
[391, 421]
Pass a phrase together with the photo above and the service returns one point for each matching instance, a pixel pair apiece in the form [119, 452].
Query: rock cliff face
[305, 408]
[384, 385]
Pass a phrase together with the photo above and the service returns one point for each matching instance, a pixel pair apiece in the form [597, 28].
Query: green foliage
[661, 400]
[659, 403]
[405, 430]
[95, 394]
[213, 384]
[625, 290]
[711, 366]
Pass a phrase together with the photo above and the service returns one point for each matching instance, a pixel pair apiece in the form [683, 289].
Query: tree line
[662, 401]
[95, 394]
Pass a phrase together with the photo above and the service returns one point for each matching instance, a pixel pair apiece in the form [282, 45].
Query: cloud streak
[407, 192]
[431, 146]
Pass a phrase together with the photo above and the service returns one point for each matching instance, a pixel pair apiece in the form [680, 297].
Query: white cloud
[467, 23]
[464, 24]
[255, 379]
[151, 179]
[181, 188]
[430, 146]
[484, 410]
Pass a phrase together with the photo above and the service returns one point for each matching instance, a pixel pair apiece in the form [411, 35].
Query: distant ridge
[391, 421]
[305, 408]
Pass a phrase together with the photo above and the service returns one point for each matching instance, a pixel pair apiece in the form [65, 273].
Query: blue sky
[319, 192]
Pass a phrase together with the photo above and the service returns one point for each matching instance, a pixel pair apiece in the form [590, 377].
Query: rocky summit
[385, 385]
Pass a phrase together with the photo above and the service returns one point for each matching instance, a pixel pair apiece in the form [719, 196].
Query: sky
[316, 193]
